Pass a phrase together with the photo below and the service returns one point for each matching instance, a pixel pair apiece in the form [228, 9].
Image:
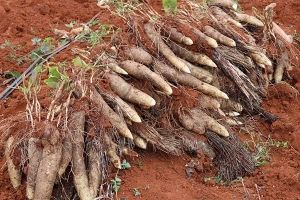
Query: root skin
[226, 3]
[34, 155]
[13, 170]
[111, 151]
[139, 142]
[175, 35]
[128, 92]
[113, 117]
[190, 56]
[127, 108]
[199, 72]
[51, 157]
[187, 80]
[139, 55]
[211, 32]
[66, 154]
[249, 19]
[142, 72]
[282, 63]
[163, 48]
[94, 173]
[80, 178]
[198, 121]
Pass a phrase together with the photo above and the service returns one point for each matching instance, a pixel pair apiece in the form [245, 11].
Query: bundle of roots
[180, 77]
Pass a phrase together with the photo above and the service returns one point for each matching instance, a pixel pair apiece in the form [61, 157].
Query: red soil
[163, 176]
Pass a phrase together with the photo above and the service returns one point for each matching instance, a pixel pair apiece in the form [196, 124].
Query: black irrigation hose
[29, 70]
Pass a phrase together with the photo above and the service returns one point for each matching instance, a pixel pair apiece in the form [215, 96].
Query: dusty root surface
[163, 176]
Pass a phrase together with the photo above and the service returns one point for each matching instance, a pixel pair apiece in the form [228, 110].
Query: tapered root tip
[187, 41]
[234, 6]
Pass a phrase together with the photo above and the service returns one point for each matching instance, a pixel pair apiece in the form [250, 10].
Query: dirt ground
[162, 176]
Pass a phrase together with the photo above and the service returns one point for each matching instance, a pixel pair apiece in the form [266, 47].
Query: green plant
[283, 144]
[94, 37]
[12, 74]
[44, 47]
[170, 6]
[116, 182]
[262, 148]
[19, 60]
[123, 8]
[71, 24]
[136, 192]
[125, 165]
[219, 180]
[140, 163]
[55, 76]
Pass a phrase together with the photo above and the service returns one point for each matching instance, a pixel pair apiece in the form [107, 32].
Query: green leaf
[125, 165]
[116, 188]
[169, 5]
[70, 25]
[54, 77]
[53, 72]
[36, 40]
[52, 82]
[35, 72]
[78, 62]
[264, 162]
[13, 74]
[118, 180]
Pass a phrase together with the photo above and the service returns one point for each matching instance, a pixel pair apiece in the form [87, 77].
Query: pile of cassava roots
[177, 82]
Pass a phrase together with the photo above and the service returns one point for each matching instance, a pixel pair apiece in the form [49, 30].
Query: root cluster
[200, 76]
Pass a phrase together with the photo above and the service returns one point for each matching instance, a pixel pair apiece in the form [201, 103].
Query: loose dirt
[154, 174]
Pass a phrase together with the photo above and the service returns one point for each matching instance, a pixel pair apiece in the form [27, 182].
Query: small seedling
[136, 192]
[36, 41]
[169, 6]
[283, 144]
[43, 48]
[140, 163]
[125, 165]
[116, 184]
[219, 180]
[71, 24]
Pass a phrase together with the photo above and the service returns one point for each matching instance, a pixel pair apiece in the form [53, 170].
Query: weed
[139, 163]
[170, 6]
[44, 47]
[19, 60]
[261, 148]
[94, 37]
[5, 44]
[116, 182]
[124, 8]
[71, 24]
[219, 180]
[283, 144]
[136, 192]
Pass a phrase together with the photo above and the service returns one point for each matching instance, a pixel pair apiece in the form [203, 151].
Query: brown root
[80, 177]
[51, 157]
[34, 156]
[13, 170]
